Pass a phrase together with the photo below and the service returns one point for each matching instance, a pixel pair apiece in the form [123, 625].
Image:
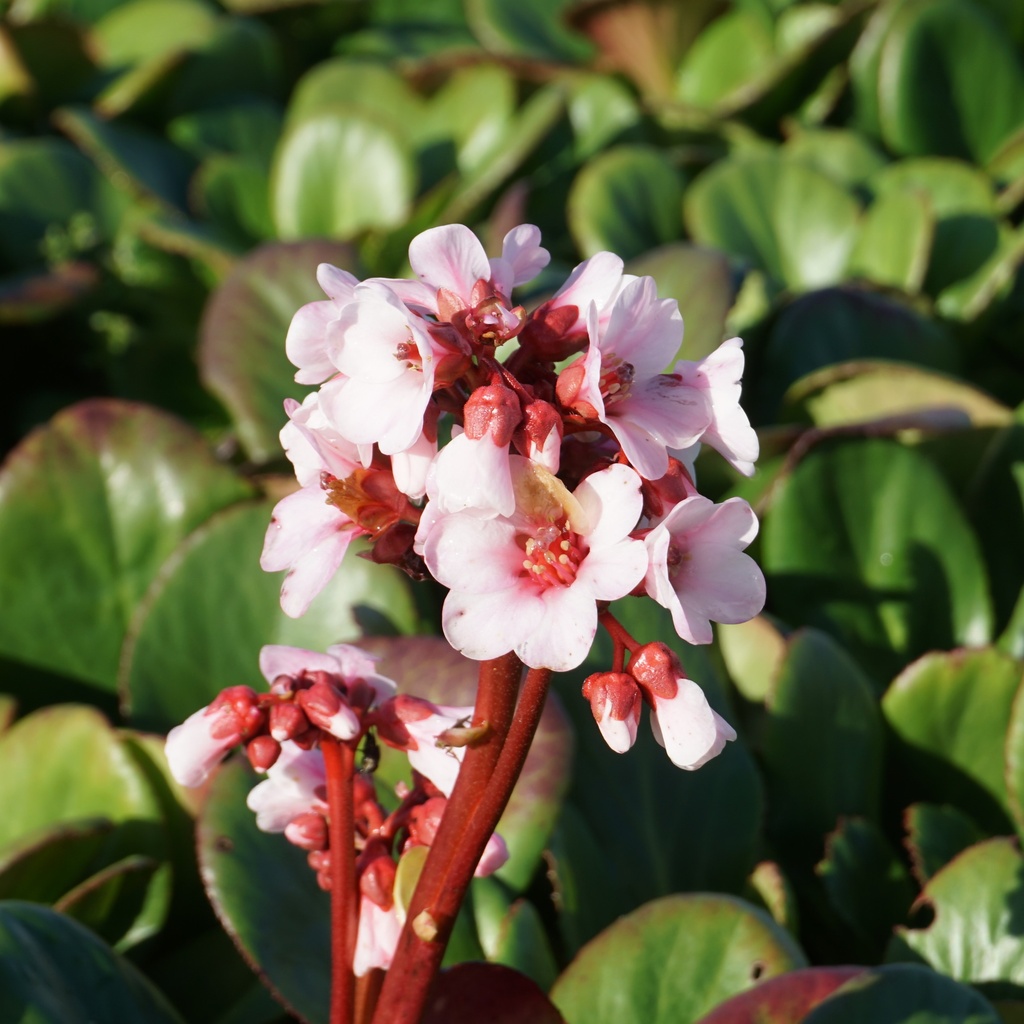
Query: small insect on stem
[463, 735]
[371, 755]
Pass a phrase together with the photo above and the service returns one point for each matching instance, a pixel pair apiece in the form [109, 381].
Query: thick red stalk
[488, 774]
[339, 761]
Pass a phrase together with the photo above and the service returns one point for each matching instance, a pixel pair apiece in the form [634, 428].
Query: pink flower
[307, 536]
[295, 785]
[376, 936]
[619, 380]
[386, 358]
[306, 344]
[529, 582]
[698, 569]
[615, 702]
[718, 377]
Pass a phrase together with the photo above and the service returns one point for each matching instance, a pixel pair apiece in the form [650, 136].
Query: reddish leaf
[488, 992]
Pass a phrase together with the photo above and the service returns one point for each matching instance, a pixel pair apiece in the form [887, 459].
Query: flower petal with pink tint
[306, 342]
[688, 728]
[376, 937]
[494, 856]
[473, 474]
[522, 259]
[594, 281]
[449, 257]
[192, 748]
[294, 785]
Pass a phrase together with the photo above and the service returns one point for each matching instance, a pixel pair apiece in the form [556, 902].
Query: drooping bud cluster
[338, 694]
[567, 481]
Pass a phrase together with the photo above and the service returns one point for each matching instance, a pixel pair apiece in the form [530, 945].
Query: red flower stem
[440, 890]
[339, 762]
[621, 639]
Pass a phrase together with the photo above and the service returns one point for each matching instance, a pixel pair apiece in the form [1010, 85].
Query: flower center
[408, 353]
[553, 554]
[616, 378]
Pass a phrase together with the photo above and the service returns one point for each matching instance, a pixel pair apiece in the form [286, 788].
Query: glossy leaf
[488, 992]
[44, 863]
[429, 668]
[895, 242]
[626, 200]
[839, 325]
[935, 835]
[950, 713]
[977, 900]
[752, 651]
[778, 215]
[865, 540]
[54, 970]
[846, 156]
[144, 29]
[701, 281]
[245, 129]
[822, 742]
[673, 960]
[337, 174]
[253, 878]
[178, 655]
[534, 29]
[241, 347]
[903, 994]
[90, 507]
[783, 999]
[868, 391]
[950, 84]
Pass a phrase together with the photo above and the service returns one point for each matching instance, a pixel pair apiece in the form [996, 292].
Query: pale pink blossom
[352, 664]
[295, 784]
[615, 702]
[306, 343]
[718, 376]
[494, 856]
[376, 936]
[619, 379]
[386, 360]
[306, 535]
[689, 729]
[594, 282]
[410, 467]
[698, 569]
[529, 582]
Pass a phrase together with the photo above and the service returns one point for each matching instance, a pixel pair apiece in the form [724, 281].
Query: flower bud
[263, 751]
[615, 702]
[657, 669]
[286, 721]
[492, 411]
[307, 831]
[326, 708]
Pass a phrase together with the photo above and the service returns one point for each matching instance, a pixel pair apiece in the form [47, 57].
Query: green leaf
[144, 29]
[231, 192]
[865, 540]
[337, 174]
[949, 82]
[866, 884]
[600, 110]
[753, 652]
[430, 668]
[534, 29]
[701, 281]
[53, 971]
[266, 896]
[206, 617]
[90, 507]
[935, 835]
[44, 182]
[778, 215]
[44, 863]
[869, 391]
[93, 778]
[903, 994]
[895, 242]
[245, 129]
[783, 999]
[241, 337]
[845, 156]
[950, 714]
[623, 796]
[769, 887]
[821, 743]
[1014, 768]
[626, 200]
[977, 900]
[966, 299]
[672, 961]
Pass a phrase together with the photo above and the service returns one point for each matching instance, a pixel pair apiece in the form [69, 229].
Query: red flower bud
[262, 752]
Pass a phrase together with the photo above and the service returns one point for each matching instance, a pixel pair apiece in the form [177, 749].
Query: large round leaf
[822, 743]
[950, 83]
[895, 242]
[266, 896]
[204, 620]
[950, 712]
[53, 970]
[90, 507]
[935, 835]
[626, 200]
[428, 667]
[488, 992]
[865, 540]
[839, 325]
[903, 994]
[978, 902]
[778, 214]
[337, 174]
[672, 961]
[241, 336]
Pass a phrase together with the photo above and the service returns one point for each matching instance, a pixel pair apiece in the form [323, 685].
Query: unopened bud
[492, 411]
[238, 712]
[326, 709]
[657, 669]
[262, 751]
[286, 721]
[425, 819]
[539, 436]
[615, 702]
[308, 831]
[283, 686]
[377, 881]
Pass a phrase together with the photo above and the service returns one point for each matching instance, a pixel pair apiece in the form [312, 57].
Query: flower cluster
[567, 480]
[337, 694]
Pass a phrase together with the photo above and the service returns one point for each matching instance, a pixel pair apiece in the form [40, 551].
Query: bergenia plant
[566, 484]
